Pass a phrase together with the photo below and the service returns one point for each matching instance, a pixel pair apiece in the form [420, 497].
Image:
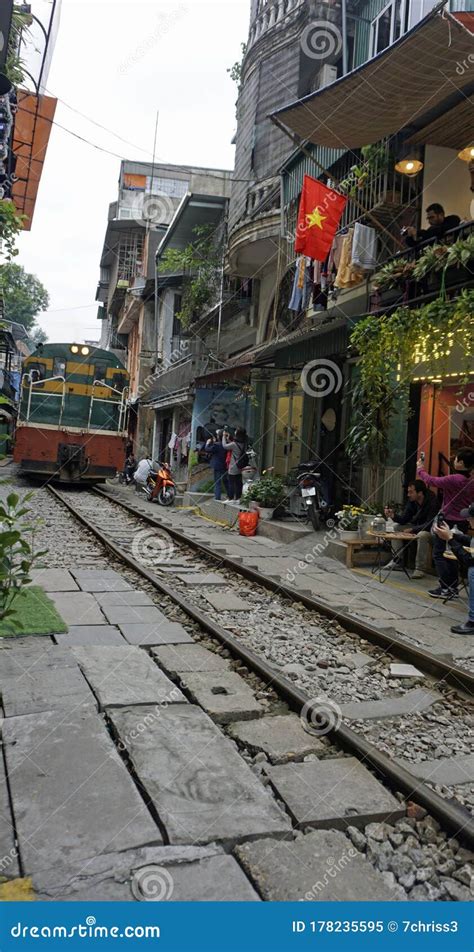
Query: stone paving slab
[90, 635]
[201, 578]
[129, 599]
[281, 737]
[409, 703]
[100, 580]
[120, 677]
[162, 873]
[436, 636]
[447, 770]
[334, 794]
[203, 790]
[16, 662]
[228, 602]
[405, 671]
[136, 614]
[72, 795]
[185, 658]
[320, 867]
[9, 867]
[167, 633]
[54, 580]
[224, 695]
[78, 608]
[47, 689]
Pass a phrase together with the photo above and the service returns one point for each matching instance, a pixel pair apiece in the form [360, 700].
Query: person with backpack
[237, 462]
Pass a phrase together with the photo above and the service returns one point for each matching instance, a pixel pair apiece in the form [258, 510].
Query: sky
[119, 63]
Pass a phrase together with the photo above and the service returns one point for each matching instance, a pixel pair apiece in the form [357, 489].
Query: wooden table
[396, 556]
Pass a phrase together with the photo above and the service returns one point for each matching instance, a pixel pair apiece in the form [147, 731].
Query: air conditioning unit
[327, 74]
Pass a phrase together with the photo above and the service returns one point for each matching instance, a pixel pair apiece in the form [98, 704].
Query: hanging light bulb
[409, 165]
[467, 154]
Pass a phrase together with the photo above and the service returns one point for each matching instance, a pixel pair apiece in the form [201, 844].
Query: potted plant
[348, 523]
[268, 493]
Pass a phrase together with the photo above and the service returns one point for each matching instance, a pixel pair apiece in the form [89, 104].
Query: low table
[396, 556]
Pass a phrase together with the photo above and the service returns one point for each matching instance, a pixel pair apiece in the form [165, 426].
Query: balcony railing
[410, 290]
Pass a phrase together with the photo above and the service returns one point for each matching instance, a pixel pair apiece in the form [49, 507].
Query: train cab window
[37, 372]
[118, 381]
[100, 372]
[59, 367]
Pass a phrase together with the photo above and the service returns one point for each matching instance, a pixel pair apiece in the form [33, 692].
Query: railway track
[136, 540]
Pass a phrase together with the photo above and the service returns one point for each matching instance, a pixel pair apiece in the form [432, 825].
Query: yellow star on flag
[315, 219]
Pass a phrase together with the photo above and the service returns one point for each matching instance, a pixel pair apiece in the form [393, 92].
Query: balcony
[397, 285]
[174, 385]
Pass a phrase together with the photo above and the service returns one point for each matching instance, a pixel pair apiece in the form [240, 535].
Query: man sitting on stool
[457, 541]
[415, 521]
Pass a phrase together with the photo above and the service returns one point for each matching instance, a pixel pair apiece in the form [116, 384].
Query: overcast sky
[118, 63]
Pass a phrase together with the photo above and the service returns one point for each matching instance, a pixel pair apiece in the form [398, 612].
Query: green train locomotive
[72, 421]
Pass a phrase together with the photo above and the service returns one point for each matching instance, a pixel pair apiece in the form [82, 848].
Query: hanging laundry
[335, 253]
[298, 285]
[348, 275]
[364, 247]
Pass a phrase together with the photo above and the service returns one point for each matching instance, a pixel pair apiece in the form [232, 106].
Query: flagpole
[324, 171]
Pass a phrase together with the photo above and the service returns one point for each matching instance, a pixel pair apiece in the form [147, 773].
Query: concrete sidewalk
[302, 564]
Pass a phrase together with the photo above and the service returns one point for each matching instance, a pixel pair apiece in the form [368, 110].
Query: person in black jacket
[415, 520]
[438, 222]
[458, 541]
[217, 456]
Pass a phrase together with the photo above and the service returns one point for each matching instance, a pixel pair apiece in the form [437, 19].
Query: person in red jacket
[458, 494]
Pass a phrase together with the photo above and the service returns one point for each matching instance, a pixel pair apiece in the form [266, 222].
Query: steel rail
[451, 815]
[434, 665]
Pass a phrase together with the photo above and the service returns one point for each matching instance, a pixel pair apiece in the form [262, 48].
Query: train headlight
[85, 351]
[74, 349]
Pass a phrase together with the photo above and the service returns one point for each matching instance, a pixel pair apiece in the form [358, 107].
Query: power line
[168, 167]
[98, 124]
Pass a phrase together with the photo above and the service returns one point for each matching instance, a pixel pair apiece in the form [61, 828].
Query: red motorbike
[160, 486]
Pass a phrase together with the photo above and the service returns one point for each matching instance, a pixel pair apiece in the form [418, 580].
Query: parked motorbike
[160, 485]
[314, 495]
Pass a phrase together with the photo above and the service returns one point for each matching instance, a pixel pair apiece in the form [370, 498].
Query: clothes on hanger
[364, 247]
[348, 275]
[298, 285]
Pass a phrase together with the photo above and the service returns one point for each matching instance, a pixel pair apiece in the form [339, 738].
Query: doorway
[284, 418]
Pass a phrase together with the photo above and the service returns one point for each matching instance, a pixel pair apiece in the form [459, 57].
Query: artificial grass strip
[35, 614]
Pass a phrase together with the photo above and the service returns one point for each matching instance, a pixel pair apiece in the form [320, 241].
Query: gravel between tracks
[425, 861]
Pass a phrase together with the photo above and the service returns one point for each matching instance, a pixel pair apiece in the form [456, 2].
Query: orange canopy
[30, 141]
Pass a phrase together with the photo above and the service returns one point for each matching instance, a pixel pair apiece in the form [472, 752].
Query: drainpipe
[221, 293]
[344, 37]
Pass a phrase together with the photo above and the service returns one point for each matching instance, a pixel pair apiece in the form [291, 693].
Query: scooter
[314, 495]
[160, 485]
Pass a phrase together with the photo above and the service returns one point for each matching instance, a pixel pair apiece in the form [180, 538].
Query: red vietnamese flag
[318, 219]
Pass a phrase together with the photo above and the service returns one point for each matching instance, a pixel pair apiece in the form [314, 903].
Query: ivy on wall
[403, 339]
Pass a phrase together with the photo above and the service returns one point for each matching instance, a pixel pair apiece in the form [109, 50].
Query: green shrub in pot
[268, 492]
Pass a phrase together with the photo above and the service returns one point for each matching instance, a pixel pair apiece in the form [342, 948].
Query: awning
[409, 85]
[30, 141]
[194, 212]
